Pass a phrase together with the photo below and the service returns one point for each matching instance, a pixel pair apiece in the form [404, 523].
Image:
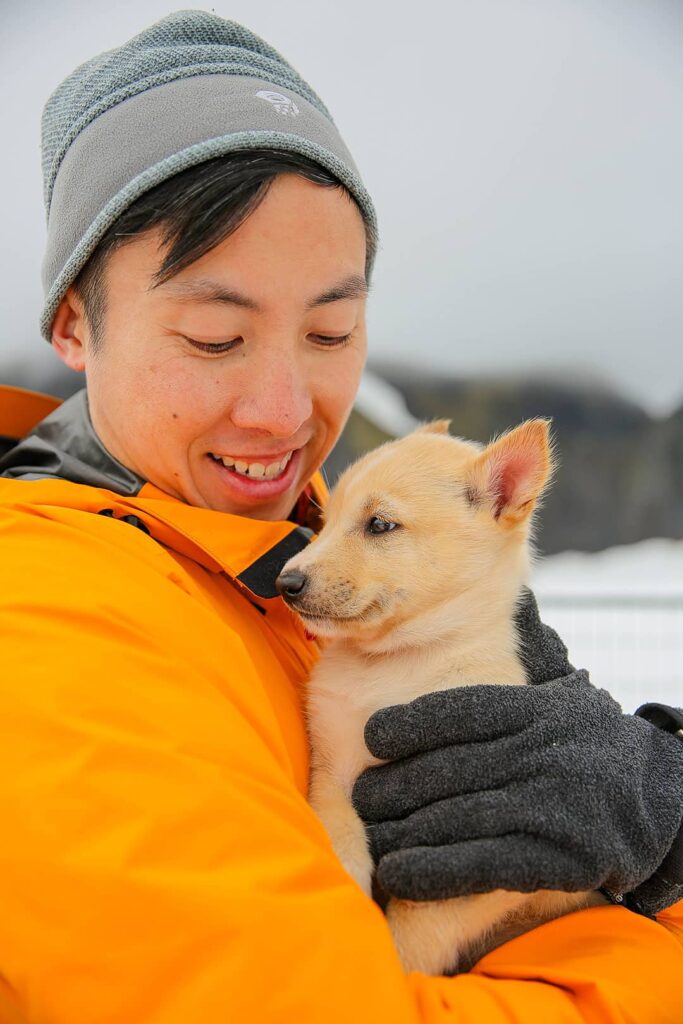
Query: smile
[254, 470]
[256, 480]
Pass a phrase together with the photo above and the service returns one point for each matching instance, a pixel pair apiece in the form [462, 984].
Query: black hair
[196, 210]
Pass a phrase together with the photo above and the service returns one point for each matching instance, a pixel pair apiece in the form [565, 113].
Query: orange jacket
[159, 862]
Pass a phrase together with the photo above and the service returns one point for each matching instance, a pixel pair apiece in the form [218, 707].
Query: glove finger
[519, 863]
[461, 819]
[475, 714]
[466, 714]
[398, 788]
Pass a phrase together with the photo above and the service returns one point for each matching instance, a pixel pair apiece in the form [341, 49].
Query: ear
[512, 472]
[435, 427]
[68, 331]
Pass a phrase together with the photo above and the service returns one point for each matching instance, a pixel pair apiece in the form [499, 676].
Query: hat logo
[282, 104]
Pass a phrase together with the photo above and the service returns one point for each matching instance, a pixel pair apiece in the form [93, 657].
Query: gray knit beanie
[191, 87]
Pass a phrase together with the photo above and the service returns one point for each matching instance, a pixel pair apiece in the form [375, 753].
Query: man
[209, 250]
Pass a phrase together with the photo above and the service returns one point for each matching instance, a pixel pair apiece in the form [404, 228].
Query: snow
[620, 612]
[650, 568]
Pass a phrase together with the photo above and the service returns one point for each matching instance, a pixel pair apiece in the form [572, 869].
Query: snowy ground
[621, 614]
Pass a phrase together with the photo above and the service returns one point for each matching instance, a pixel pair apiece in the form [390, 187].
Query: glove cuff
[663, 717]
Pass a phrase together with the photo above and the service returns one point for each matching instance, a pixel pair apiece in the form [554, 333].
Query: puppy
[412, 583]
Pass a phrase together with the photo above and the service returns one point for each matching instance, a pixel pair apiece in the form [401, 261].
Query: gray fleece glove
[547, 786]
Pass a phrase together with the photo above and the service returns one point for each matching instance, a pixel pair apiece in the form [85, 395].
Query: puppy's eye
[377, 525]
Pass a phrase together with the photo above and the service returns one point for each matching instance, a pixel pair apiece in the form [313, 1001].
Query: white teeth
[256, 470]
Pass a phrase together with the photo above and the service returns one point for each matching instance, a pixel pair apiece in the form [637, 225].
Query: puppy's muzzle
[291, 585]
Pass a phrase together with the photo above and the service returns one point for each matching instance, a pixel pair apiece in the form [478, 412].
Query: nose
[276, 395]
[291, 584]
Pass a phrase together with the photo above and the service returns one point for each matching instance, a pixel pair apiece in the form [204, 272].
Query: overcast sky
[525, 157]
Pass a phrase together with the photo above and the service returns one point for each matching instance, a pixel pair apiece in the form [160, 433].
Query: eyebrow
[353, 287]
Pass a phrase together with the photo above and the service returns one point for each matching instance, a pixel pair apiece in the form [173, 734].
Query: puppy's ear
[435, 427]
[511, 473]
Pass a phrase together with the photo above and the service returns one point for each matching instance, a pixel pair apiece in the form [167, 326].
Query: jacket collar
[64, 447]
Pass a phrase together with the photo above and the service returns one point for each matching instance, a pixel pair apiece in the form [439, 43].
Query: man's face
[175, 411]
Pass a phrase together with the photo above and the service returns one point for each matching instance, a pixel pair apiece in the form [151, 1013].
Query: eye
[331, 342]
[213, 348]
[377, 525]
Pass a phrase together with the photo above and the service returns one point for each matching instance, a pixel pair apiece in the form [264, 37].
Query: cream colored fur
[426, 606]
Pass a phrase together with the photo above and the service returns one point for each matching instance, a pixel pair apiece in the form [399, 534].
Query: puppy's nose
[291, 584]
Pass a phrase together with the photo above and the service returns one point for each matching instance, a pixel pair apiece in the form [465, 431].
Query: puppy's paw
[346, 830]
[361, 872]
[351, 847]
